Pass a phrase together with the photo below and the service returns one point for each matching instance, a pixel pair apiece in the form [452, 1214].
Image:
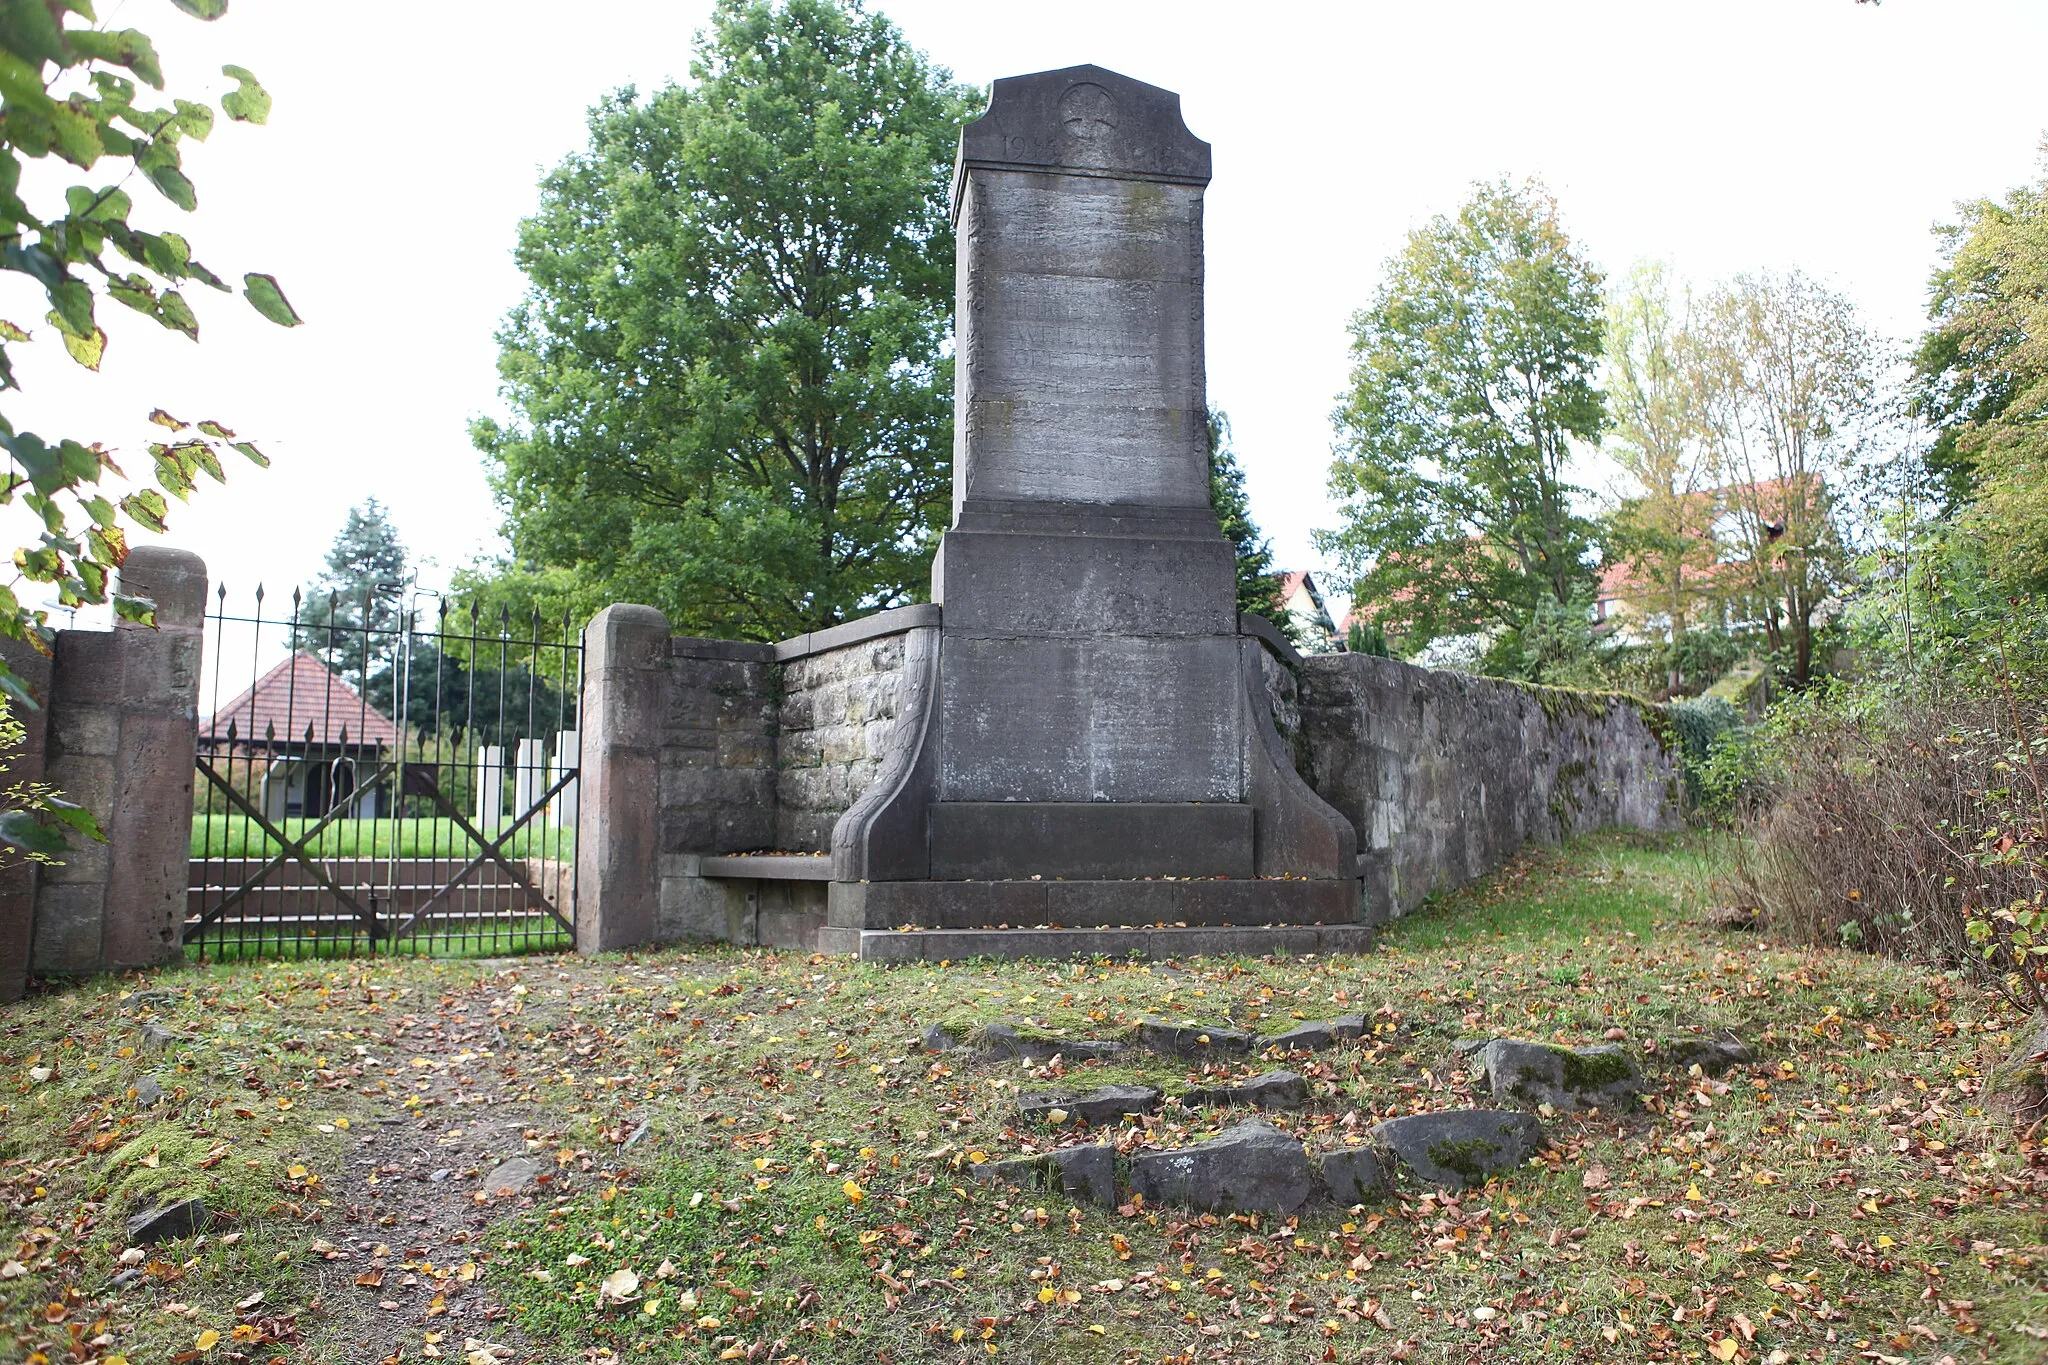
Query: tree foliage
[1981, 378]
[1474, 371]
[1258, 587]
[1785, 376]
[731, 370]
[75, 93]
[352, 611]
[1663, 529]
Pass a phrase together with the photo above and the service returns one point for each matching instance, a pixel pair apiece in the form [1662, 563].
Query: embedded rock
[1351, 1175]
[1003, 1040]
[936, 1038]
[2017, 1087]
[1459, 1147]
[1252, 1167]
[155, 1037]
[1273, 1090]
[1465, 1047]
[1602, 1077]
[1106, 1105]
[510, 1177]
[149, 1092]
[1319, 1034]
[1711, 1055]
[1086, 1174]
[1192, 1040]
[181, 1219]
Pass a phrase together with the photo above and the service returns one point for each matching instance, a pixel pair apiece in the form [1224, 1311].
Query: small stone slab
[155, 1037]
[1711, 1055]
[1466, 1047]
[1460, 1147]
[510, 1177]
[1003, 1040]
[1099, 1107]
[1319, 1034]
[1273, 1090]
[1192, 1040]
[149, 1092]
[1603, 1077]
[181, 1219]
[937, 1038]
[1253, 1167]
[1086, 1174]
[1352, 1175]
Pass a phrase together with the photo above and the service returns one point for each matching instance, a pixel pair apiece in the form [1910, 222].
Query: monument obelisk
[1089, 717]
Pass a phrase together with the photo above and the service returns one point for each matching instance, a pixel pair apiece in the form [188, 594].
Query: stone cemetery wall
[838, 708]
[730, 762]
[1446, 775]
[117, 733]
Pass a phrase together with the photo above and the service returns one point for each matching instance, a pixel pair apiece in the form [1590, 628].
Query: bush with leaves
[75, 92]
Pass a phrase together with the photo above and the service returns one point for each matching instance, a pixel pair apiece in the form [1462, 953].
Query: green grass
[1841, 1200]
[235, 836]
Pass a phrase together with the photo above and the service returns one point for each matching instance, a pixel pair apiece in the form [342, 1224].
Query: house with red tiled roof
[1302, 601]
[307, 740]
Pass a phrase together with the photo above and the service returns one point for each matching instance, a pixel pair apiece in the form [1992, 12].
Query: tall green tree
[1473, 372]
[350, 614]
[731, 370]
[1981, 378]
[1786, 380]
[1258, 587]
[1663, 529]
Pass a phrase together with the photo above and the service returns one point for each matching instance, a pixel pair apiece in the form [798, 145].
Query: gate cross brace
[492, 850]
[293, 849]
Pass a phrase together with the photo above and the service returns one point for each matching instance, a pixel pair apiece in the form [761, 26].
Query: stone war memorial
[1079, 746]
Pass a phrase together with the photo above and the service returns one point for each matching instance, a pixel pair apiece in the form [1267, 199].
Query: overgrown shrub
[1701, 723]
[1911, 825]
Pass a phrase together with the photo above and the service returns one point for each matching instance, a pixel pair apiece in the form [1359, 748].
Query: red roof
[299, 692]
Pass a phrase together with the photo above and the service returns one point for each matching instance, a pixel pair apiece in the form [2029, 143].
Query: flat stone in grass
[1252, 1168]
[508, 1178]
[1005, 1040]
[1460, 1147]
[1103, 1106]
[1273, 1090]
[1352, 1175]
[149, 1092]
[181, 1219]
[1192, 1040]
[1318, 1034]
[1603, 1077]
[1711, 1055]
[1085, 1174]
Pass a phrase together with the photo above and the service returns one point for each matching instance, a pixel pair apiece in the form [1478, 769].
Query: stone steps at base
[1054, 905]
[935, 945]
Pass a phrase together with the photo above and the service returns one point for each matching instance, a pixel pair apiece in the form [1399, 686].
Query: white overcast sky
[408, 137]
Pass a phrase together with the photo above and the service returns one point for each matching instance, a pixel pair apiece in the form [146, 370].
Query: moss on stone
[1594, 1070]
[1471, 1158]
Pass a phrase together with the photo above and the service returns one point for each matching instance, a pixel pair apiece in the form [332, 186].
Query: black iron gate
[388, 772]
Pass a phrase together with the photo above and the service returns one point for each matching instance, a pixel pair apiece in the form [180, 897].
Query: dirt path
[410, 1260]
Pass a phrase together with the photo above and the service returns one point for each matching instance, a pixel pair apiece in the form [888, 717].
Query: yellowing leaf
[1693, 1195]
[207, 1340]
[1724, 1349]
[853, 1192]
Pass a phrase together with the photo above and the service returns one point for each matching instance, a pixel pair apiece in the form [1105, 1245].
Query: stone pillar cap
[1082, 120]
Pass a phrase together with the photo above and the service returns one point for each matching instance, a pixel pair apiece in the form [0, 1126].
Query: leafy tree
[1473, 373]
[1981, 378]
[1663, 530]
[730, 368]
[1258, 587]
[351, 613]
[70, 91]
[1785, 377]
